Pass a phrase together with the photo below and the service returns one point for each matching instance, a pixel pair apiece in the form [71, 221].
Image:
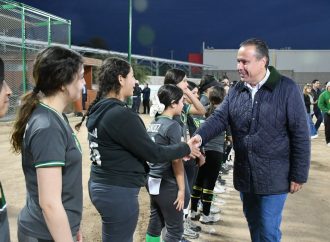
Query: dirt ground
[306, 216]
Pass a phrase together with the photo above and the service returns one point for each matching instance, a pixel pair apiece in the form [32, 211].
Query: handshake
[194, 144]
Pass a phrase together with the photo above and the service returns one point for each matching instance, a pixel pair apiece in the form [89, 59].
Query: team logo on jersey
[153, 128]
[93, 133]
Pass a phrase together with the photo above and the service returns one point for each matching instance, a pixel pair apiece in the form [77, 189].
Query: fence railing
[24, 31]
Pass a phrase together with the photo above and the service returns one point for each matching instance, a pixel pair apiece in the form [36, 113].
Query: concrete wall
[301, 65]
[159, 80]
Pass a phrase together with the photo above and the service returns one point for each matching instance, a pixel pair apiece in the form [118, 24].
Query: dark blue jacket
[271, 137]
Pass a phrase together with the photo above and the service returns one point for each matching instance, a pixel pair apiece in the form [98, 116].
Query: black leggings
[205, 182]
[163, 212]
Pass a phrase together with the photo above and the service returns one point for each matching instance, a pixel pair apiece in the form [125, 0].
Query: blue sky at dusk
[180, 26]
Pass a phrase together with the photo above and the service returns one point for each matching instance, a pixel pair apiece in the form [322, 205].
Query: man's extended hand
[295, 187]
[194, 144]
[197, 140]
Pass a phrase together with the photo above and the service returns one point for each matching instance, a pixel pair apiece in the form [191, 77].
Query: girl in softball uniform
[166, 180]
[51, 154]
[208, 173]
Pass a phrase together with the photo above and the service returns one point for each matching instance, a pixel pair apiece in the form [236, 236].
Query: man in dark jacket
[316, 92]
[266, 113]
[136, 97]
[146, 99]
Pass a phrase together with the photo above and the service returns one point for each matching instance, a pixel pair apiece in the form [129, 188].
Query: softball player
[5, 93]
[166, 184]
[51, 154]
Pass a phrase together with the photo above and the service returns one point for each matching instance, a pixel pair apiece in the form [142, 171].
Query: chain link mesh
[24, 31]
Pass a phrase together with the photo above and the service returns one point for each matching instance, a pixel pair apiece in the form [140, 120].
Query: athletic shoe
[194, 215]
[314, 136]
[214, 209]
[328, 144]
[226, 166]
[219, 201]
[219, 189]
[194, 227]
[211, 218]
[188, 232]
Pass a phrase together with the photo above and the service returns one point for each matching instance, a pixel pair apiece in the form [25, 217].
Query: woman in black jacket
[119, 150]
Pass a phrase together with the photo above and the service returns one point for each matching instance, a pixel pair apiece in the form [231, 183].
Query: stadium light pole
[129, 31]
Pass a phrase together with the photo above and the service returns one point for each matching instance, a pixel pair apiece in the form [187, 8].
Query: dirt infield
[306, 216]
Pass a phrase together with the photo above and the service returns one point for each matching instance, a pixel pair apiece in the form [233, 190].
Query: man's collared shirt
[258, 86]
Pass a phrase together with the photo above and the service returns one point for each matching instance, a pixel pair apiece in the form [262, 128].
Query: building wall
[159, 80]
[301, 65]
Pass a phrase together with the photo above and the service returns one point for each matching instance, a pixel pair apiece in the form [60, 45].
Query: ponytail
[107, 77]
[216, 96]
[28, 103]
[211, 109]
[99, 96]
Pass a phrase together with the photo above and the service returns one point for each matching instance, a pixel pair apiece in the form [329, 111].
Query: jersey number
[94, 153]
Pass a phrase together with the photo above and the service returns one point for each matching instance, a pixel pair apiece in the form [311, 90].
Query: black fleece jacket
[120, 145]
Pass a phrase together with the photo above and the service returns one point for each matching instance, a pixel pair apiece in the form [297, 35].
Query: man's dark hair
[261, 48]
[314, 81]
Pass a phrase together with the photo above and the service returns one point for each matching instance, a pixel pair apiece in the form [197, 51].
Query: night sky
[178, 27]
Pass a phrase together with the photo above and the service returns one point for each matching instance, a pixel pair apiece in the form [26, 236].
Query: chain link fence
[24, 31]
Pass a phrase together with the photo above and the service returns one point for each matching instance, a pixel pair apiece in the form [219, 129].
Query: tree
[140, 72]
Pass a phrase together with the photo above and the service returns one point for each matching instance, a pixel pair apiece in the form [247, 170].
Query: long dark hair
[216, 96]
[108, 80]
[53, 68]
[174, 76]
